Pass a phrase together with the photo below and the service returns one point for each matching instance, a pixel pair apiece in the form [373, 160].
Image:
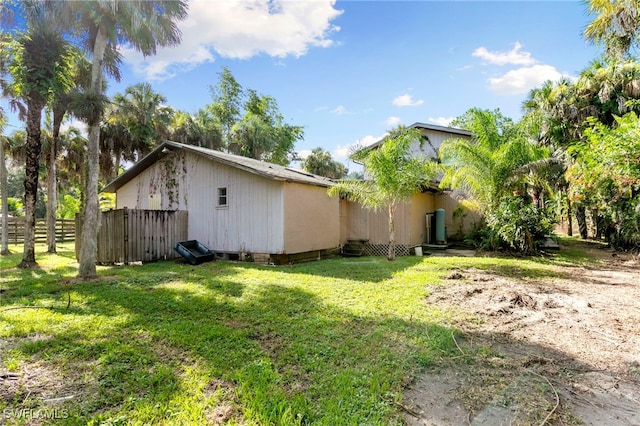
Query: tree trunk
[116, 170]
[392, 232]
[598, 223]
[90, 227]
[5, 208]
[581, 217]
[34, 147]
[52, 183]
[569, 217]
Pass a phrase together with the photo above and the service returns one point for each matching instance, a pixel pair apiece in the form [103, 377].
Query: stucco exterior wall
[379, 225]
[363, 224]
[311, 218]
[252, 221]
[421, 204]
[357, 221]
[411, 227]
[345, 216]
[457, 224]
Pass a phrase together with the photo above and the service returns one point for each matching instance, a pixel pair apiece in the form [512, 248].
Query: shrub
[520, 224]
[15, 207]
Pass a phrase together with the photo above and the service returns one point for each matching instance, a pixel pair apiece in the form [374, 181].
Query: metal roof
[426, 126]
[261, 168]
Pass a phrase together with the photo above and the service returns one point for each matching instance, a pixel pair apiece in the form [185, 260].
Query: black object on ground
[194, 252]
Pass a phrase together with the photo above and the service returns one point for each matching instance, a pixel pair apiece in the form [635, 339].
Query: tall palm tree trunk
[91, 225]
[4, 250]
[52, 184]
[34, 147]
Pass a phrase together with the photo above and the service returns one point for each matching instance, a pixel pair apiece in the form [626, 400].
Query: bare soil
[534, 351]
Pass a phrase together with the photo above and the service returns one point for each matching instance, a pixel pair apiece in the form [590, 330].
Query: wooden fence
[65, 230]
[137, 235]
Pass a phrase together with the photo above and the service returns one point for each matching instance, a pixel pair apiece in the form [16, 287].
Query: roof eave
[153, 156]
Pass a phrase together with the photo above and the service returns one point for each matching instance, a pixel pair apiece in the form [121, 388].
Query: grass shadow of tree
[155, 340]
[291, 358]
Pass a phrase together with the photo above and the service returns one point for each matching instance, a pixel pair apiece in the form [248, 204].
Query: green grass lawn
[327, 342]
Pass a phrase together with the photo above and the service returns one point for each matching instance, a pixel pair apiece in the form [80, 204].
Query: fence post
[125, 235]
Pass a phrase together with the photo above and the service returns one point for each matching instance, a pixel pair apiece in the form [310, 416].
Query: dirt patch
[43, 392]
[539, 350]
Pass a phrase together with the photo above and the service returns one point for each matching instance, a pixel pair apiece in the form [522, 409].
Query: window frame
[222, 194]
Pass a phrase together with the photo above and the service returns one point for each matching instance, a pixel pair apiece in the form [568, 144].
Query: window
[222, 197]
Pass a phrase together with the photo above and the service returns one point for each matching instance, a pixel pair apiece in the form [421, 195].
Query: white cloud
[342, 152]
[514, 56]
[393, 121]
[521, 80]
[441, 121]
[241, 29]
[339, 110]
[168, 61]
[406, 100]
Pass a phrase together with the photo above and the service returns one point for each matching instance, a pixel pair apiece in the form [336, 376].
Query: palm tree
[393, 177]
[603, 91]
[4, 246]
[60, 103]
[4, 238]
[495, 170]
[134, 122]
[115, 141]
[146, 118]
[491, 164]
[39, 63]
[319, 162]
[73, 160]
[616, 25]
[262, 133]
[251, 137]
[199, 129]
[105, 23]
[480, 167]
[551, 117]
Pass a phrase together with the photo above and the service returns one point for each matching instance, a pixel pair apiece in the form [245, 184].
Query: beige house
[236, 205]
[245, 207]
[414, 225]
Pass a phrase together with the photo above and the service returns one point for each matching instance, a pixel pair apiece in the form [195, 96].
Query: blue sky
[350, 70]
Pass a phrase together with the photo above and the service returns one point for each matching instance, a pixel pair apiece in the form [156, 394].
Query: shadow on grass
[39, 279]
[368, 269]
[290, 358]
[158, 344]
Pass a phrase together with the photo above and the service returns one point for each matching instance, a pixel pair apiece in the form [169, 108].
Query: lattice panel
[383, 249]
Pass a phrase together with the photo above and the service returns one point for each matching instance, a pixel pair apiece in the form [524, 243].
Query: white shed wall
[252, 221]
